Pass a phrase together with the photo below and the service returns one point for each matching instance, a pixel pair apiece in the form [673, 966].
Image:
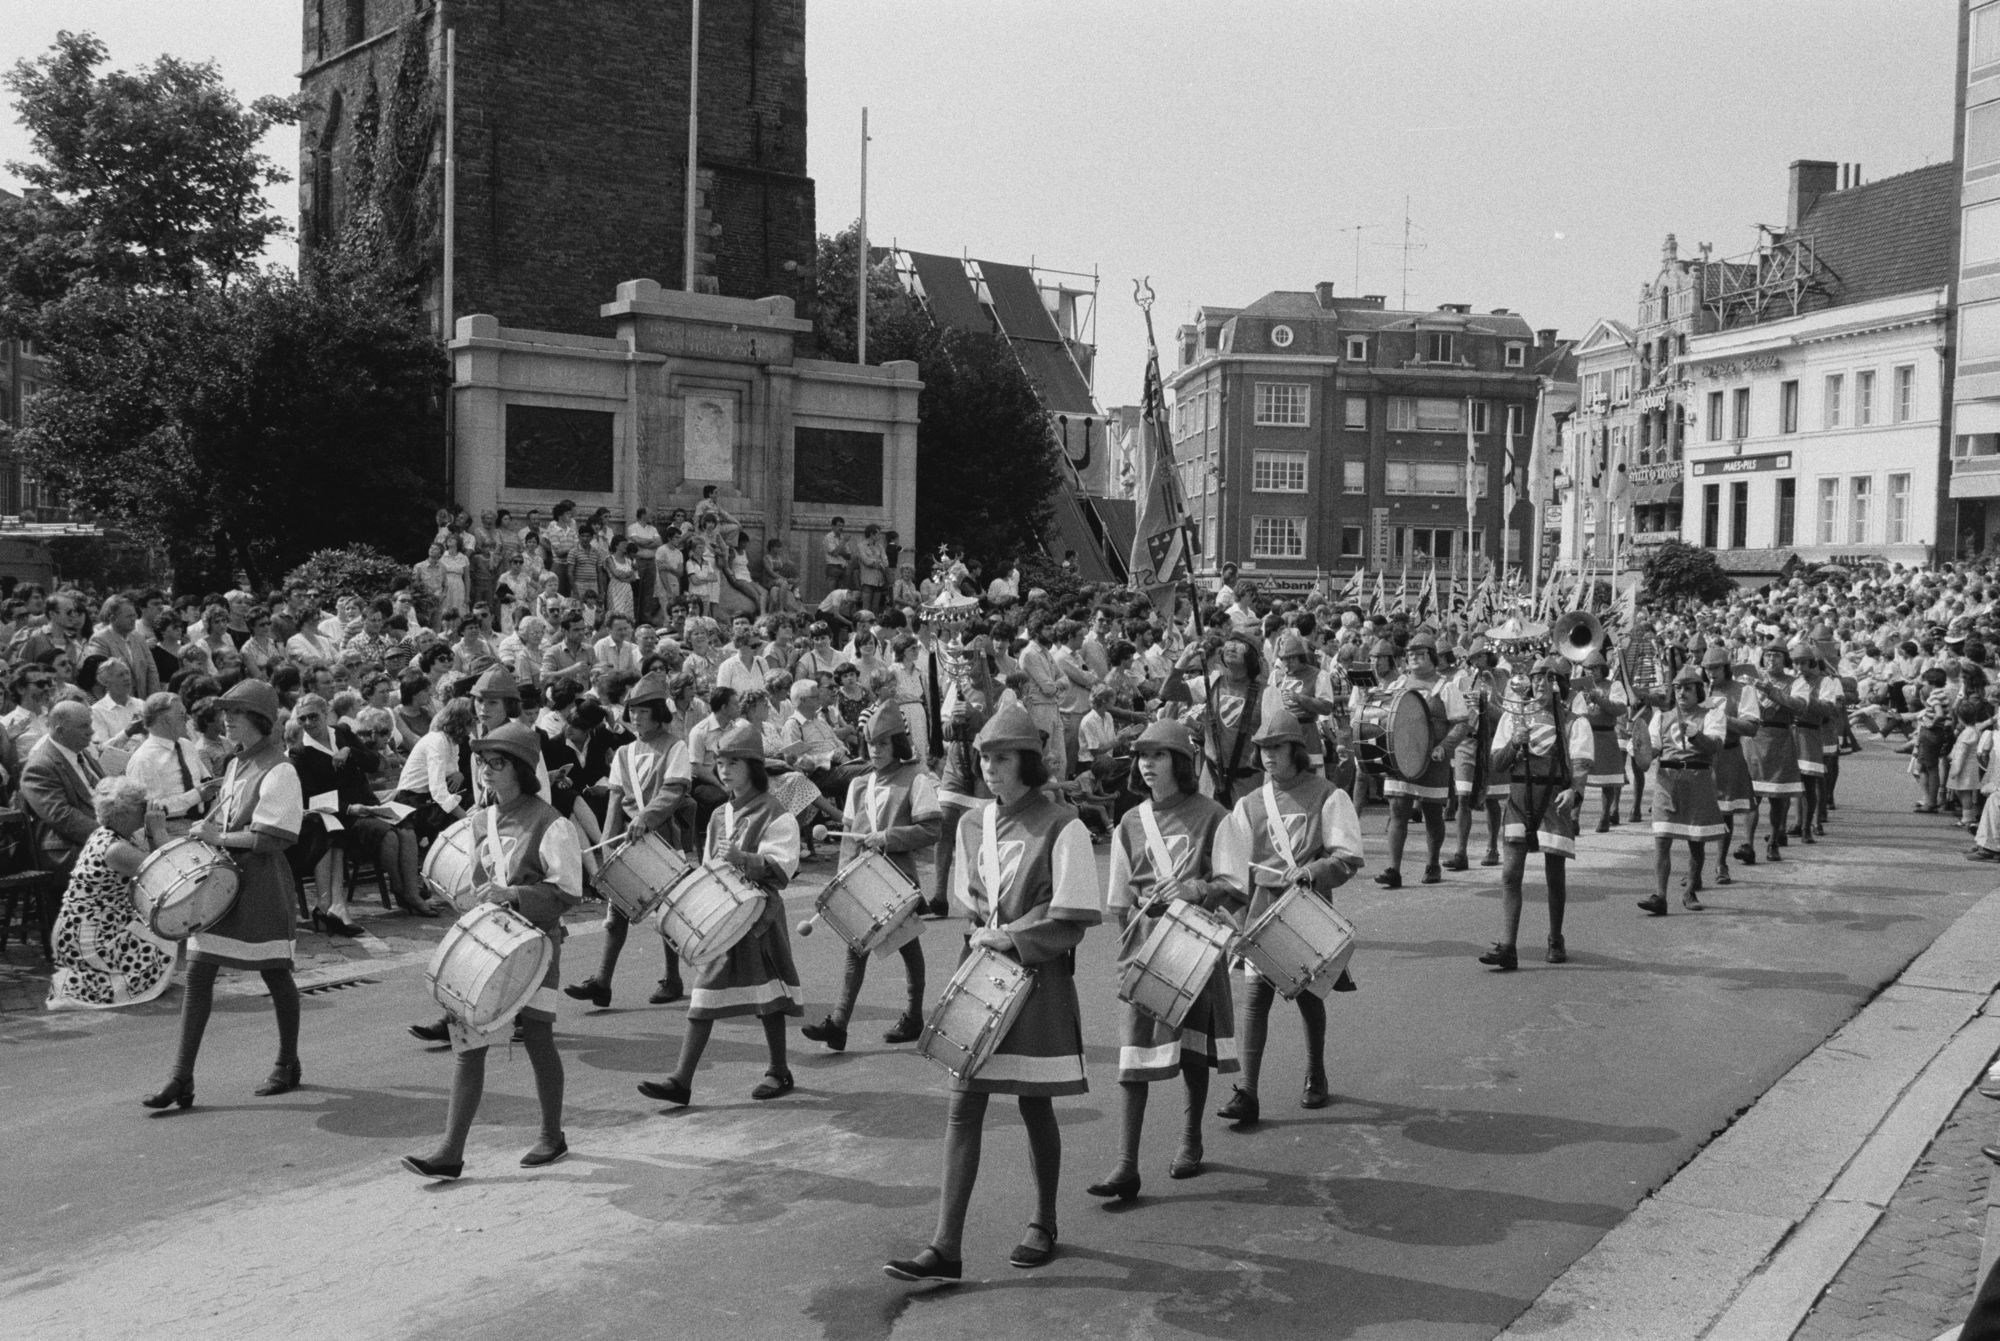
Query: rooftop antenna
[1357, 230]
[1408, 246]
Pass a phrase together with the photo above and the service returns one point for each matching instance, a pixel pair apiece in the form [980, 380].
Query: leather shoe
[1315, 1095]
[827, 1032]
[1502, 957]
[666, 994]
[1187, 1164]
[670, 1090]
[1242, 1106]
[908, 1028]
[1026, 1254]
[439, 1032]
[1558, 952]
[590, 989]
[545, 1153]
[1656, 907]
[1692, 901]
[1745, 855]
[282, 1080]
[928, 1265]
[1458, 863]
[773, 1085]
[433, 1168]
[1432, 875]
[1390, 879]
[1115, 1189]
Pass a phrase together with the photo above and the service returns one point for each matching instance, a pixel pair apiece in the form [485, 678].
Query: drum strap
[1274, 820]
[989, 853]
[1156, 845]
[499, 876]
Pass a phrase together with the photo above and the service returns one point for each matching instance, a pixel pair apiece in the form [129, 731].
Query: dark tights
[200, 1000]
[468, 1084]
[1399, 829]
[695, 1042]
[857, 973]
[1257, 1025]
[964, 1128]
[1194, 1072]
[1555, 868]
[615, 928]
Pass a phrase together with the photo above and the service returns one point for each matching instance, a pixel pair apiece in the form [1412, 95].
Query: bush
[361, 569]
[1678, 572]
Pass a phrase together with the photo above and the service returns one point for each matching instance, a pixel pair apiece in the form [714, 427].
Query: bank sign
[1741, 465]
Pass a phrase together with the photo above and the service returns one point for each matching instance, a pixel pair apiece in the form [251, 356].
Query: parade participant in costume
[1232, 701]
[1449, 724]
[1303, 690]
[255, 819]
[649, 786]
[751, 832]
[1604, 704]
[1543, 753]
[969, 695]
[1683, 739]
[104, 953]
[1371, 701]
[1027, 880]
[1774, 756]
[528, 858]
[891, 809]
[1733, 794]
[1816, 727]
[1161, 855]
[1479, 686]
[1297, 828]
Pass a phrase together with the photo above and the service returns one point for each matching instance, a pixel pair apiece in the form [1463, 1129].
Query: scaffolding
[1782, 278]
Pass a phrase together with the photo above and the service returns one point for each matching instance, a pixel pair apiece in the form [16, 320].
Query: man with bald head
[57, 781]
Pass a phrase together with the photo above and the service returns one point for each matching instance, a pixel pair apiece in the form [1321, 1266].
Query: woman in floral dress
[105, 954]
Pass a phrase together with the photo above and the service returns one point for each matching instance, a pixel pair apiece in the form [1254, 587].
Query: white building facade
[1820, 434]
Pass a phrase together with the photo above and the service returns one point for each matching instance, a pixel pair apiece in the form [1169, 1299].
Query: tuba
[1576, 635]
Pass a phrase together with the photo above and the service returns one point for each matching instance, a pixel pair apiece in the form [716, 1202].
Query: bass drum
[1407, 734]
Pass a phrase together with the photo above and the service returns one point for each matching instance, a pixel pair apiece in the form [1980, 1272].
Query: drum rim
[1394, 709]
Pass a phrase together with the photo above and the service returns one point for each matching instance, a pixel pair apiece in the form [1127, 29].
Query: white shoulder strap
[1156, 844]
[1274, 820]
[989, 852]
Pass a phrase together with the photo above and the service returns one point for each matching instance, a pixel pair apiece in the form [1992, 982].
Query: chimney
[1811, 179]
[1324, 292]
[1462, 309]
[1375, 300]
[1545, 338]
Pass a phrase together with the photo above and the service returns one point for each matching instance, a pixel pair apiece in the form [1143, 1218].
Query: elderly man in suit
[114, 638]
[57, 781]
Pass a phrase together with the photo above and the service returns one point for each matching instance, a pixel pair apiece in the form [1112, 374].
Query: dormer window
[1357, 348]
[1517, 355]
[1439, 347]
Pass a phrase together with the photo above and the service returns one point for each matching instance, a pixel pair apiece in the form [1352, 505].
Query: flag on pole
[1164, 546]
[1471, 485]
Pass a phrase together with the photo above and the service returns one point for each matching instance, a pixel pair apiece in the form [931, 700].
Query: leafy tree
[1677, 571]
[361, 569]
[987, 467]
[145, 179]
[241, 429]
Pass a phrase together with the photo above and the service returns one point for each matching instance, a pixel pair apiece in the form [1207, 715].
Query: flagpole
[694, 120]
[861, 255]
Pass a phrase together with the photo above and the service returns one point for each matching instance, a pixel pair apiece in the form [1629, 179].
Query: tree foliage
[987, 467]
[145, 179]
[241, 429]
[1678, 572]
[361, 569]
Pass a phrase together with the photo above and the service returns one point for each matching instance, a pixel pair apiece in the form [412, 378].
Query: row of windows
[1285, 538]
[1843, 401]
[1857, 527]
[1288, 405]
[1285, 473]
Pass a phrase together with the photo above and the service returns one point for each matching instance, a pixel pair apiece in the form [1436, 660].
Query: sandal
[1026, 1254]
[772, 1085]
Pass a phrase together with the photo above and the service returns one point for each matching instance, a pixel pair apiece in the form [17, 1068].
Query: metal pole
[861, 256]
[694, 125]
[447, 308]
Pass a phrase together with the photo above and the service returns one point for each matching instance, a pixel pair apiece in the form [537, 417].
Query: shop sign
[1741, 465]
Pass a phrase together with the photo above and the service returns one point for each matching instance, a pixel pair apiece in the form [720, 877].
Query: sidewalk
[1849, 1201]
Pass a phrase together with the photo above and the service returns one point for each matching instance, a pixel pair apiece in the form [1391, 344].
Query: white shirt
[108, 720]
[432, 760]
[313, 647]
[621, 657]
[153, 767]
[733, 674]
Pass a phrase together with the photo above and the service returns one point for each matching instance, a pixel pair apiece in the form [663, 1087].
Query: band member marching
[1817, 725]
[1303, 690]
[1603, 703]
[1296, 828]
[1027, 880]
[1369, 703]
[529, 858]
[1430, 789]
[1682, 739]
[1232, 700]
[756, 835]
[969, 694]
[1774, 755]
[1161, 855]
[891, 809]
[1544, 754]
[1733, 794]
[649, 782]
[1478, 685]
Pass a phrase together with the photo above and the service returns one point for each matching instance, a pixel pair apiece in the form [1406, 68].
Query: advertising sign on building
[1381, 536]
[1742, 465]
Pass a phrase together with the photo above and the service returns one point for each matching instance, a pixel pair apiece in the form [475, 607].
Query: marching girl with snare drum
[1296, 828]
[1544, 753]
[753, 833]
[649, 781]
[1603, 703]
[1161, 855]
[1774, 755]
[1027, 879]
[1682, 739]
[255, 819]
[529, 858]
[1432, 788]
[893, 807]
[1733, 794]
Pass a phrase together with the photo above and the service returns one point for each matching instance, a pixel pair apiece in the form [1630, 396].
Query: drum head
[1409, 734]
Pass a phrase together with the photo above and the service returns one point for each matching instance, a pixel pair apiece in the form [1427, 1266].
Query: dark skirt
[1732, 778]
[756, 977]
[1684, 804]
[256, 933]
[1773, 758]
[1148, 1050]
[1043, 1053]
[1535, 823]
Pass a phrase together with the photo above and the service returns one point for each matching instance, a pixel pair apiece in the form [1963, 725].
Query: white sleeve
[281, 806]
[562, 858]
[1073, 877]
[438, 772]
[962, 868]
[1230, 859]
[1342, 829]
[780, 845]
[1118, 886]
[924, 803]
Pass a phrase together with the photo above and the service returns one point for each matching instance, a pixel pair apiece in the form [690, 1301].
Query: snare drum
[640, 874]
[971, 1019]
[185, 886]
[709, 909]
[488, 965]
[1300, 943]
[1172, 969]
[449, 865]
[872, 905]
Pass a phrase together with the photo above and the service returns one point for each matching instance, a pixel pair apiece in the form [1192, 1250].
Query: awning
[1653, 495]
[1975, 416]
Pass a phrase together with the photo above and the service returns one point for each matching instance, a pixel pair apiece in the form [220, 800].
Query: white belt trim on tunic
[208, 943]
[1164, 1056]
[713, 998]
[1031, 1070]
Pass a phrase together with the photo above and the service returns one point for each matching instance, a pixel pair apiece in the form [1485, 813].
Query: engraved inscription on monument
[560, 450]
[709, 438]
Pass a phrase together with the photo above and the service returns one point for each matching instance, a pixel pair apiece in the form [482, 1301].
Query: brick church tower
[571, 147]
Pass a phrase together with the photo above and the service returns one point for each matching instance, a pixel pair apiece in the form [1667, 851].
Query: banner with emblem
[1165, 543]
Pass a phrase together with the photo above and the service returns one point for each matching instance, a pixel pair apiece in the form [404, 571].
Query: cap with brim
[513, 740]
[1011, 728]
[742, 741]
[1718, 655]
[498, 682]
[1280, 728]
[887, 723]
[1689, 674]
[251, 696]
[651, 689]
[1801, 650]
[1426, 640]
[1383, 648]
[1290, 645]
[1169, 735]
[1556, 666]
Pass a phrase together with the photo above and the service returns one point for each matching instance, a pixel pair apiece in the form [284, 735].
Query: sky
[1542, 148]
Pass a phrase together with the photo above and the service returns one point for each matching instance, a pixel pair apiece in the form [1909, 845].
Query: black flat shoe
[827, 1032]
[339, 926]
[544, 1153]
[1458, 863]
[1503, 957]
[775, 1084]
[1390, 879]
[433, 1168]
[1315, 1095]
[908, 1028]
[1745, 855]
[282, 1080]
[1654, 907]
[1724, 878]
[1558, 953]
[179, 1093]
[1115, 1189]
[1433, 876]
[1490, 859]
[591, 990]
[1241, 1108]
[1027, 1255]
[432, 1033]
[1692, 901]
[670, 1090]
[928, 1265]
[418, 910]
[1187, 1164]
[666, 994]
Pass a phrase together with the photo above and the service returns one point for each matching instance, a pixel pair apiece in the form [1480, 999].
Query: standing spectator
[457, 592]
[871, 564]
[560, 538]
[117, 637]
[430, 574]
[839, 558]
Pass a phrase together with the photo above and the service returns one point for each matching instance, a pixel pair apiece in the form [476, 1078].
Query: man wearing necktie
[57, 782]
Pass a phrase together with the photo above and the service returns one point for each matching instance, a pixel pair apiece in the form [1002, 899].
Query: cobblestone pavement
[1913, 1276]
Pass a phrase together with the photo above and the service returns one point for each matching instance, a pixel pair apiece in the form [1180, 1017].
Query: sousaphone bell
[1576, 635]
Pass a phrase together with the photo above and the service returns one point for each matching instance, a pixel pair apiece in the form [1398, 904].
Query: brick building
[571, 145]
[1323, 433]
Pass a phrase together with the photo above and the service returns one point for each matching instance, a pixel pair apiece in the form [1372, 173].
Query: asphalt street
[1487, 1129]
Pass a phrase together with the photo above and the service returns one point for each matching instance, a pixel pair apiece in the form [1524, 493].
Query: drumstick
[821, 833]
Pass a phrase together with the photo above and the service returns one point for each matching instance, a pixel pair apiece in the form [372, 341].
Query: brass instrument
[1576, 635]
